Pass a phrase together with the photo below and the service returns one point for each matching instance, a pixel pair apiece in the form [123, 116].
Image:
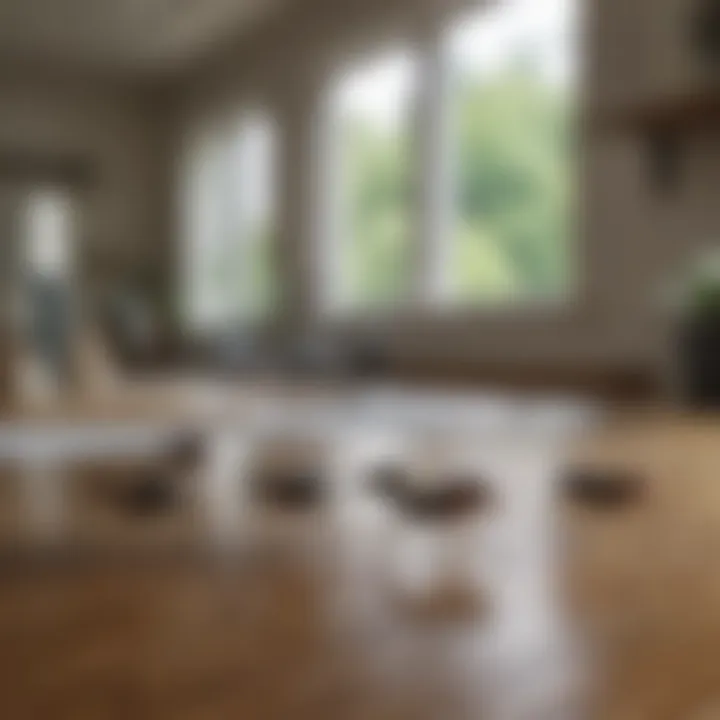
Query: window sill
[557, 308]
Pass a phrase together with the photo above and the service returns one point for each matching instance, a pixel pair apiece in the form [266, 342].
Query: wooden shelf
[680, 114]
[664, 124]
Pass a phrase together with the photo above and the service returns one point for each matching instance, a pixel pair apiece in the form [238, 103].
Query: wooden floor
[535, 609]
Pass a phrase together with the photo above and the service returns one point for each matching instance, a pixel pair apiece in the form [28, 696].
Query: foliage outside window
[511, 91]
[371, 114]
[506, 108]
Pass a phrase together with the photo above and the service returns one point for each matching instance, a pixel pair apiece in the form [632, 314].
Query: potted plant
[699, 334]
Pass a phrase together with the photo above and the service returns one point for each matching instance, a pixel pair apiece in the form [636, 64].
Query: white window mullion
[433, 174]
[234, 221]
[333, 226]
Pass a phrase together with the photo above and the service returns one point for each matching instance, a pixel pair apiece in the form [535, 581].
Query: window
[45, 296]
[231, 199]
[254, 192]
[371, 208]
[511, 72]
[49, 233]
[470, 203]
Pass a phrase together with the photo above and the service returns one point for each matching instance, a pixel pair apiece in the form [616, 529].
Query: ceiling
[125, 35]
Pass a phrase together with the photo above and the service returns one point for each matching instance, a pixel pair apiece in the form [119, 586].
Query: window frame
[432, 211]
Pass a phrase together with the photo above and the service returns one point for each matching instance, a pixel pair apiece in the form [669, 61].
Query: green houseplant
[699, 334]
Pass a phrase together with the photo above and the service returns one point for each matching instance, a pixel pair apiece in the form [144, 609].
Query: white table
[42, 453]
[43, 449]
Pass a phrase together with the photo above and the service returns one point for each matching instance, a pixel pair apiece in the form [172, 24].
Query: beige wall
[119, 131]
[630, 240]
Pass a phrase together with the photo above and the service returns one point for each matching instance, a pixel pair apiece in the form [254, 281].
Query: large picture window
[452, 168]
[511, 73]
[371, 181]
[231, 198]
[254, 195]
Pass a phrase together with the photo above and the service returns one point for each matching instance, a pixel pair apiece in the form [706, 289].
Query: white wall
[630, 240]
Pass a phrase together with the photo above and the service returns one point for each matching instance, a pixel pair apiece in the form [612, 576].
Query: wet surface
[530, 607]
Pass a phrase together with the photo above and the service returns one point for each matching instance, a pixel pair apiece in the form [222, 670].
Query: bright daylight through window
[511, 77]
[230, 273]
[370, 183]
[496, 226]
